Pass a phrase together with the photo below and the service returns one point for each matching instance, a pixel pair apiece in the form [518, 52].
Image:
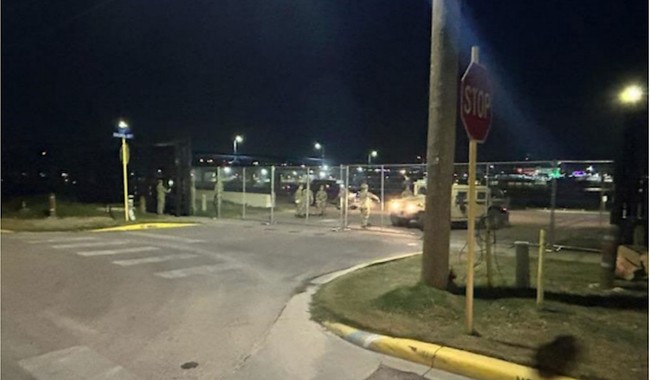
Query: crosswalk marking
[62, 240]
[74, 363]
[117, 251]
[155, 259]
[185, 272]
[86, 245]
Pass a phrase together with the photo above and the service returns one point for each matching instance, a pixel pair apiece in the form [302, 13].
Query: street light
[319, 146]
[371, 155]
[238, 140]
[631, 94]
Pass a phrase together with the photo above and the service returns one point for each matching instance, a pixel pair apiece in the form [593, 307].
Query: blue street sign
[123, 135]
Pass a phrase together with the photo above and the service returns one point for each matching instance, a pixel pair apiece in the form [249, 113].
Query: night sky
[351, 74]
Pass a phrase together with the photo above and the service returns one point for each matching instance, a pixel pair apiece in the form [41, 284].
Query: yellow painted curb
[444, 358]
[144, 226]
[6, 231]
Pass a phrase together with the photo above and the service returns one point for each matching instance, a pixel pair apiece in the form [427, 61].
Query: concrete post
[608, 257]
[143, 204]
[204, 203]
[522, 259]
[52, 208]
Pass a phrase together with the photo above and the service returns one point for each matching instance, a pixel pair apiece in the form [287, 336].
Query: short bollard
[608, 257]
[131, 204]
[52, 209]
[522, 276]
[143, 204]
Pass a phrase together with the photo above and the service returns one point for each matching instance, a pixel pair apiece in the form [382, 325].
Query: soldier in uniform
[365, 202]
[218, 195]
[321, 200]
[307, 200]
[161, 193]
[407, 192]
[297, 199]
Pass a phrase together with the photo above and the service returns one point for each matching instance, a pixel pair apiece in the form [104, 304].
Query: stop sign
[476, 102]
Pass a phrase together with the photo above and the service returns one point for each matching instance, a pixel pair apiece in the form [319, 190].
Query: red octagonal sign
[476, 102]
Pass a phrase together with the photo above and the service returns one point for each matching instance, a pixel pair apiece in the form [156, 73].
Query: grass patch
[70, 215]
[609, 331]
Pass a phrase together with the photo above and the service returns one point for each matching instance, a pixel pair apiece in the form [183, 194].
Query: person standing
[407, 192]
[218, 195]
[297, 200]
[365, 202]
[321, 200]
[307, 200]
[161, 193]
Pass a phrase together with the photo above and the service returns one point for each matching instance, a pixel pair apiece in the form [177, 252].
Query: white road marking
[117, 251]
[185, 272]
[165, 237]
[74, 363]
[62, 240]
[412, 244]
[84, 245]
[155, 259]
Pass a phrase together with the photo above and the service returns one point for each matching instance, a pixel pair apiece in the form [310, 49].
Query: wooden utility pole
[443, 95]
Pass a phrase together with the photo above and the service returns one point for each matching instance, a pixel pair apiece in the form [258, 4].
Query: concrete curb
[440, 357]
[144, 226]
[444, 358]
[6, 231]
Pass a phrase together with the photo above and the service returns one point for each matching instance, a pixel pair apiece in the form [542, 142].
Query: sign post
[123, 132]
[476, 114]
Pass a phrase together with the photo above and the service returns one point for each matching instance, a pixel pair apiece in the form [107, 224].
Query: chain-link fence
[570, 199]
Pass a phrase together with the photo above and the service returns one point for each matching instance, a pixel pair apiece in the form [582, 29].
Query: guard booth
[171, 162]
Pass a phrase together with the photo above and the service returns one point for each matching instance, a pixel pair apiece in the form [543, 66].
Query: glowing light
[227, 170]
[322, 174]
[239, 139]
[317, 146]
[402, 172]
[631, 94]
[122, 124]
[264, 172]
[360, 169]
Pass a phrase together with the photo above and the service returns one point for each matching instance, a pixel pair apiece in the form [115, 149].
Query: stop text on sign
[477, 102]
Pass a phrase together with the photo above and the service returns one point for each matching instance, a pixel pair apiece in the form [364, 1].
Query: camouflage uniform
[307, 200]
[407, 192]
[218, 195]
[321, 200]
[365, 202]
[297, 199]
[161, 193]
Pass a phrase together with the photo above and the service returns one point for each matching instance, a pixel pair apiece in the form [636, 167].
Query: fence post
[551, 229]
[306, 199]
[522, 277]
[342, 197]
[243, 194]
[272, 194]
[347, 196]
[382, 196]
[220, 192]
[540, 269]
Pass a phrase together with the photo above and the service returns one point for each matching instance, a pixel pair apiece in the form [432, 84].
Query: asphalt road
[214, 301]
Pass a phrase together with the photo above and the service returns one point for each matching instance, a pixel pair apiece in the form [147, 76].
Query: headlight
[411, 208]
[395, 206]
